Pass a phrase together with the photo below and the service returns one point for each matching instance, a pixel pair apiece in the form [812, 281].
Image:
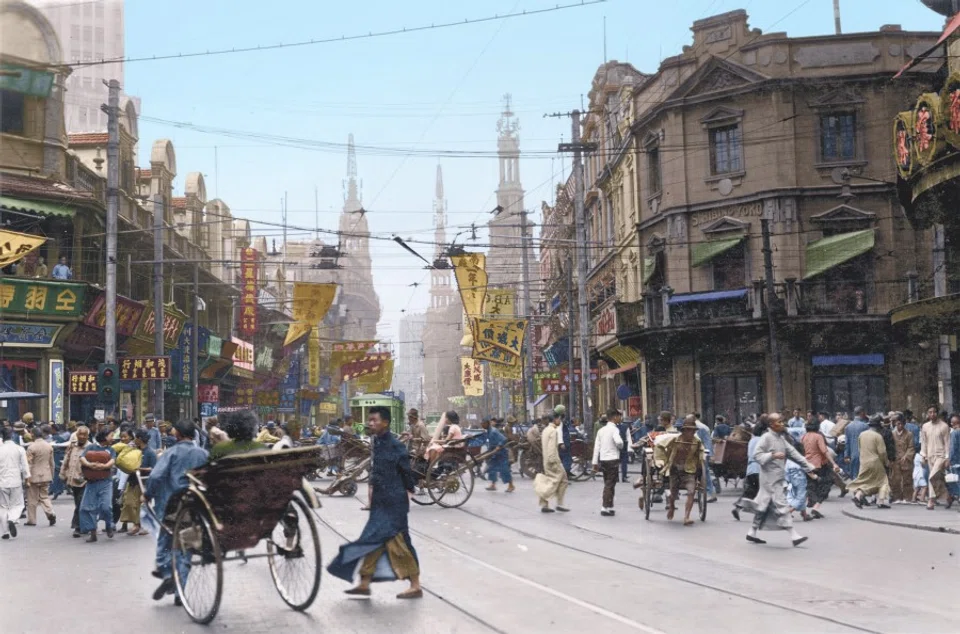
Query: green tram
[360, 407]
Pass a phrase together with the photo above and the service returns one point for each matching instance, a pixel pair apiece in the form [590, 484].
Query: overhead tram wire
[333, 40]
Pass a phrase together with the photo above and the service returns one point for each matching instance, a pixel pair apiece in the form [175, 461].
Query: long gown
[390, 478]
[553, 481]
[872, 478]
[771, 499]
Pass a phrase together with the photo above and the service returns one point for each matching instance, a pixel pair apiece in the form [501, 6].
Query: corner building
[744, 126]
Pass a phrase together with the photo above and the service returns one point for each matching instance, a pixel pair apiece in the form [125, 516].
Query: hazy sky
[439, 90]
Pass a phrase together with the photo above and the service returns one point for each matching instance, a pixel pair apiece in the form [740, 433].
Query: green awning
[827, 253]
[649, 268]
[704, 252]
[40, 207]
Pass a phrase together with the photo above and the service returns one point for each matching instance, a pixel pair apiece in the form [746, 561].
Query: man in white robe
[553, 481]
[14, 470]
[934, 453]
[771, 453]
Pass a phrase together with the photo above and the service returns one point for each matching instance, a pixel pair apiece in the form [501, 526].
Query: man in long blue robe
[384, 552]
[499, 462]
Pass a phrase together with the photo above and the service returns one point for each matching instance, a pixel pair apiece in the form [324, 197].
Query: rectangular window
[838, 137]
[730, 270]
[726, 150]
[83, 116]
[654, 179]
[87, 36]
[74, 33]
[11, 112]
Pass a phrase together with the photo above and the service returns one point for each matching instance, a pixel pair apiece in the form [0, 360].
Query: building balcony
[828, 299]
[667, 309]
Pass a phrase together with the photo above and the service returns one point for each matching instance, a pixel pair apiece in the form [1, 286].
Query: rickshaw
[353, 464]
[228, 508]
[654, 482]
[729, 460]
[449, 478]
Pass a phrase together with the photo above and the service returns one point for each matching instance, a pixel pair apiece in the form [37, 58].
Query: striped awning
[623, 356]
[37, 207]
[827, 253]
[704, 252]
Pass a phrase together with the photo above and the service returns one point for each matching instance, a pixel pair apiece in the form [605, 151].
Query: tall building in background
[441, 348]
[357, 294]
[89, 31]
[408, 373]
[503, 260]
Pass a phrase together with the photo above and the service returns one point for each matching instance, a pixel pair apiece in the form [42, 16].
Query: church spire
[352, 197]
[439, 215]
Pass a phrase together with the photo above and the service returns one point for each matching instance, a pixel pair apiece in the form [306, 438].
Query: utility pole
[571, 319]
[578, 147]
[194, 343]
[836, 16]
[944, 372]
[158, 312]
[113, 202]
[771, 318]
[527, 363]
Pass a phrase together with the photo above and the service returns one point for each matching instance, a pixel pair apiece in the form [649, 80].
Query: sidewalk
[912, 516]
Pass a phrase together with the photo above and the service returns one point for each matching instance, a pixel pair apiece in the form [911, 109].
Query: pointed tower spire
[439, 214]
[352, 199]
[439, 194]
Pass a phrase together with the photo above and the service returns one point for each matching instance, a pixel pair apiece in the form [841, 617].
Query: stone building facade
[740, 127]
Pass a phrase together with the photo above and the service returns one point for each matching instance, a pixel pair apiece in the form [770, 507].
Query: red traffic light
[108, 373]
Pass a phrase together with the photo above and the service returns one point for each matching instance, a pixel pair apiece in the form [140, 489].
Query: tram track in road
[426, 589]
[668, 575]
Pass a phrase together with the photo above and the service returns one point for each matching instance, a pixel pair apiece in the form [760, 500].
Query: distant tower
[441, 291]
[356, 276]
[503, 260]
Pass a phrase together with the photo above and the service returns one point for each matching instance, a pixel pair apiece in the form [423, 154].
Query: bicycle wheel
[702, 496]
[453, 484]
[197, 564]
[293, 554]
[647, 488]
[529, 463]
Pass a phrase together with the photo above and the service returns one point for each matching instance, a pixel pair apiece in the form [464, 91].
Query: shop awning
[39, 207]
[704, 252]
[712, 296]
[623, 356]
[929, 317]
[952, 26]
[847, 359]
[649, 268]
[827, 253]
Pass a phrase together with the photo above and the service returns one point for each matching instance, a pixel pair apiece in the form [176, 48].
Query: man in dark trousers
[384, 552]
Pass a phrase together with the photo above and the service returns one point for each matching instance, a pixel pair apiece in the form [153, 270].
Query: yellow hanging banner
[295, 333]
[312, 301]
[505, 334]
[313, 360]
[14, 246]
[471, 274]
[499, 303]
[506, 372]
[471, 376]
[344, 352]
[467, 340]
[378, 381]
[494, 355]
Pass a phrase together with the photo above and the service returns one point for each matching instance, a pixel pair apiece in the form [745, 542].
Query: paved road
[498, 565]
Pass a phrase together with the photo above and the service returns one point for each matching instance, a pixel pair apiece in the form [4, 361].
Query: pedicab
[729, 460]
[232, 505]
[655, 483]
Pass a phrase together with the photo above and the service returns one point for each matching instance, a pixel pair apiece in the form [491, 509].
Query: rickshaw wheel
[454, 484]
[702, 494]
[350, 463]
[349, 488]
[647, 488]
[197, 564]
[528, 464]
[293, 554]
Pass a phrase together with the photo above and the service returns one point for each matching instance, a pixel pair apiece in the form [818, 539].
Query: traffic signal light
[108, 382]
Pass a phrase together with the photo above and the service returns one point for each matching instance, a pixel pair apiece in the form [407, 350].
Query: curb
[918, 527]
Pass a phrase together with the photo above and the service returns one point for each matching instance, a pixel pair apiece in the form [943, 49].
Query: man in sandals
[384, 552]
[683, 459]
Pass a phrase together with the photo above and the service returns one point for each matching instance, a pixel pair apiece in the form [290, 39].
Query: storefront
[35, 316]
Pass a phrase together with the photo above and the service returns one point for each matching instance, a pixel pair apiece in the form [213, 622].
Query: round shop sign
[950, 105]
[903, 144]
[927, 142]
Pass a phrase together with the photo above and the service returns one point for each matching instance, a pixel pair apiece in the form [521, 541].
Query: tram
[360, 408]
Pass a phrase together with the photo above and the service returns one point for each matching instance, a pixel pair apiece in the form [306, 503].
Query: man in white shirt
[826, 428]
[606, 457]
[14, 470]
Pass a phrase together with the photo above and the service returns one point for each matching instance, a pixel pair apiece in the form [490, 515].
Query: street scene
[504, 316]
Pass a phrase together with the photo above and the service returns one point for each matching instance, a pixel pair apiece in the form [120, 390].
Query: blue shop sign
[25, 335]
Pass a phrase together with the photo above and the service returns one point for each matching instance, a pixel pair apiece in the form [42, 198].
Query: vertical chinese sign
[248, 295]
[471, 376]
[313, 362]
[56, 395]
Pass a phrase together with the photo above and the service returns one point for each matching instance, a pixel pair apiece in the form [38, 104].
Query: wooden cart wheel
[647, 476]
[702, 493]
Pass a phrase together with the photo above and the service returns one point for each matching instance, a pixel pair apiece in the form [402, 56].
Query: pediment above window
[845, 214]
[842, 98]
[721, 116]
[717, 75]
[726, 225]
